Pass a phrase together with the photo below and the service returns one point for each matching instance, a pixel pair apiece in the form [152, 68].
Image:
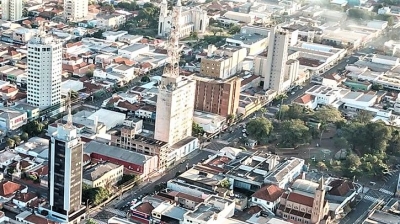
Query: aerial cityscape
[200, 112]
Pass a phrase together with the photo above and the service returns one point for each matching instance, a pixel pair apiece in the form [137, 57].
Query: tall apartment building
[65, 174]
[175, 107]
[75, 10]
[11, 9]
[280, 69]
[224, 62]
[44, 71]
[217, 96]
[190, 19]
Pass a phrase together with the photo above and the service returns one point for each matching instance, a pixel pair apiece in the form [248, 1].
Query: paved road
[149, 188]
[383, 192]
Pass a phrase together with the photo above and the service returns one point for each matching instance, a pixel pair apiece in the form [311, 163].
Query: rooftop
[269, 193]
[99, 170]
[247, 38]
[116, 152]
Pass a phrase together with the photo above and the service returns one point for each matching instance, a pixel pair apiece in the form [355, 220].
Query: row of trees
[361, 14]
[94, 195]
[17, 139]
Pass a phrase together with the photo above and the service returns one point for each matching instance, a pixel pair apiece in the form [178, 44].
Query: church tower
[318, 204]
[164, 19]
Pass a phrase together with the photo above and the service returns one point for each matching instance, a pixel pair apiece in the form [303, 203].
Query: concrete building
[280, 70]
[75, 10]
[217, 96]
[213, 210]
[141, 164]
[192, 19]
[11, 9]
[175, 107]
[223, 62]
[103, 174]
[12, 119]
[65, 173]
[254, 43]
[44, 71]
[211, 123]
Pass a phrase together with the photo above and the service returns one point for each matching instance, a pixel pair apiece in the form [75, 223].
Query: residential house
[267, 197]
[7, 157]
[23, 200]
[8, 189]
[28, 218]
[110, 21]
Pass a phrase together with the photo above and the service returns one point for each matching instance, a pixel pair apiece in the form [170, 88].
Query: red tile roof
[145, 207]
[8, 89]
[304, 99]
[269, 193]
[38, 220]
[8, 188]
[341, 187]
[299, 198]
[25, 197]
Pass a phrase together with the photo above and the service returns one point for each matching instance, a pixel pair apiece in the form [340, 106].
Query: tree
[359, 14]
[341, 143]
[73, 94]
[95, 195]
[127, 178]
[377, 136]
[89, 73]
[197, 130]
[294, 111]
[294, 133]
[17, 139]
[263, 111]
[234, 30]
[225, 183]
[24, 136]
[10, 142]
[327, 115]
[377, 87]
[363, 116]
[194, 35]
[91, 221]
[98, 34]
[216, 30]
[352, 164]
[259, 129]
[33, 128]
[321, 166]
[145, 79]
[373, 165]
[394, 143]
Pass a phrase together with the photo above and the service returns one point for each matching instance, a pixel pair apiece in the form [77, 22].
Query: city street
[147, 188]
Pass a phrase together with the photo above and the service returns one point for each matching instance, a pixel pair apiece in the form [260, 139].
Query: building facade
[11, 10]
[103, 175]
[75, 10]
[44, 71]
[279, 70]
[217, 96]
[65, 175]
[12, 119]
[175, 107]
[192, 19]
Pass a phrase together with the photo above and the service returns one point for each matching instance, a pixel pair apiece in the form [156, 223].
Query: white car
[244, 131]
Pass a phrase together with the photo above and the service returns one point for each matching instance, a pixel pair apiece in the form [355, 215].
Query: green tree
[259, 129]
[145, 79]
[16, 139]
[33, 128]
[373, 165]
[294, 133]
[363, 116]
[234, 30]
[322, 166]
[98, 34]
[359, 14]
[394, 143]
[327, 115]
[377, 87]
[194, 35]
[341, 143]
[89, 73]
[91, 221]
[10, 142]
[197, 130]
[24, 136]
[294, 111]
[354, 133]
[95, 195]
[377, 136]
[352, 164]
[225, 183]
[73, 94]
[263, 111]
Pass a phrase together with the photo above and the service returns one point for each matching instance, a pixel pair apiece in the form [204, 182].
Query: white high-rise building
[281, 69]
[75, 10]
[175, 108]
[176, 96]
[191, 19]
[44, 70]
[11, 9]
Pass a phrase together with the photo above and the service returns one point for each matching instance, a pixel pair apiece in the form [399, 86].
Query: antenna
[68, 104]
[172, 68]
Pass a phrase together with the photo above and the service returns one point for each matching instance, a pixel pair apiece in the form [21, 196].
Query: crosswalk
[383, 190]
[370, 198]
[116, 211]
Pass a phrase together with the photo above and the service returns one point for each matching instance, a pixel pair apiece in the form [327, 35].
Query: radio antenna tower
[68, 104]
[172, 67]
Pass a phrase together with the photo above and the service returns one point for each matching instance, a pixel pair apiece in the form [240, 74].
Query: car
[244, 135]
[244, 131]
[292, 93]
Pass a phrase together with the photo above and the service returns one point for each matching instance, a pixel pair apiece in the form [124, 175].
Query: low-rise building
[267, 197]
[254, 43]
[8, 189]
[12, 119]
[7, 157]
[22, 200]
[285, 172]
[214, 209]
[140, 164]
[210, 123]
[103, 174]
[133, 50]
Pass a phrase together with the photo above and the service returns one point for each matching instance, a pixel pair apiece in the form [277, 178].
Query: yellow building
[103, 174]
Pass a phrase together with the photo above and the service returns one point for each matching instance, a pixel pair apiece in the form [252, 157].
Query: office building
[191, 19]
[44, 70]
[280, 69]
[224, 62]
[75, 10]
[65, 174]
[217, 96]
[11, 9]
